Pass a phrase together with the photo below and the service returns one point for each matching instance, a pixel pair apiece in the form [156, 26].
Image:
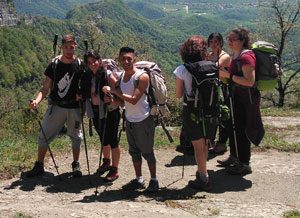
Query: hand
[223, 73]
[79, 97]
[107, 99]
[32, 104]
[278, 69]
[106, 89]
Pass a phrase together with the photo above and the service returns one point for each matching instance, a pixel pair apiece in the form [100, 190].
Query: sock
[140, 179]
[154, 179]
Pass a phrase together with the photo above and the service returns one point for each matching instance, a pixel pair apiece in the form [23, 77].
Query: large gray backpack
[157, 94]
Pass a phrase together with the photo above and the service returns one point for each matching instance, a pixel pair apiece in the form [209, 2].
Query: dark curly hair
[101, 72]
[243, 34]
[193, 49]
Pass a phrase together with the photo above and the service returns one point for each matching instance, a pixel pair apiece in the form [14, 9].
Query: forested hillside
[49, 8]
[119, 26]
[24, 52]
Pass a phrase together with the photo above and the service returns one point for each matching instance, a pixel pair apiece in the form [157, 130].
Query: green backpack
[267, 63]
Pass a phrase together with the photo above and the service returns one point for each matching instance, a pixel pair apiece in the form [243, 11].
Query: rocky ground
[272, 189]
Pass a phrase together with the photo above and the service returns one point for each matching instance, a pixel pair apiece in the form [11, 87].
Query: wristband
[230, 77]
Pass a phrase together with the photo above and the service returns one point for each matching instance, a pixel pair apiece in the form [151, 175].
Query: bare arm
[112, 81]
[42, 94]
[224, 61]
[138, 92]
[179, 87]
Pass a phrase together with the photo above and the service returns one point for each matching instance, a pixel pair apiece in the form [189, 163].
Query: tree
[280, 25]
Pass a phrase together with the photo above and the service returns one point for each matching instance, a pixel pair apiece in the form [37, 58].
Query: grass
[291, 214]
[19, 153]
[280, 112]
[214, 212]
[21, 215]
[277, 138]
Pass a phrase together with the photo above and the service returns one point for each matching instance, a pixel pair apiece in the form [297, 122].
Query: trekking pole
[86, 45]
[84, 139]
[165, 129]
[55, 44]
[48, 145]
[102, 144]
[183, 159]
[232, 120]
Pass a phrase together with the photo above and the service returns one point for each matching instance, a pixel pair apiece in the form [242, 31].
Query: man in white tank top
[140, 128]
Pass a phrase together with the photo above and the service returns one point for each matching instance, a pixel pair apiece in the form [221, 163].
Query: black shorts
[194, 128]
[111, 126]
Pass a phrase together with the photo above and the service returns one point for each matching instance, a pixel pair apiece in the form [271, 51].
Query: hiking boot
[219, 148]
[134, 185]
[76, 169]
[38, 169]
[104, 167]
[200, 184]
[153, 186]
[240, 169]
[226, 162]
[112, 175]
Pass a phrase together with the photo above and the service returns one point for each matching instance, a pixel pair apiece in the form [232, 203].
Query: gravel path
[272, 189]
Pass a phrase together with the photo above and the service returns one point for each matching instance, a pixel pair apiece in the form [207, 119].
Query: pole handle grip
[86, 44]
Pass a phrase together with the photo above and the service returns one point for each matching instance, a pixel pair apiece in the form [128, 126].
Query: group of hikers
[104, 92]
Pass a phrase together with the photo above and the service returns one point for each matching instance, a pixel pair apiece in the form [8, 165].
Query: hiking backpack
[267, 62]
[111, 65]
[157, 93]
[205, 101]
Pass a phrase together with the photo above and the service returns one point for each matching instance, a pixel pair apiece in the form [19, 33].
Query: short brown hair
[193, 49]
[68, 38]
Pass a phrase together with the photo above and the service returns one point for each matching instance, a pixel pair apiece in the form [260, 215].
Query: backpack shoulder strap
[54, 67]
[137, 76]
[188, 67]
[238, 59]
[120, 77]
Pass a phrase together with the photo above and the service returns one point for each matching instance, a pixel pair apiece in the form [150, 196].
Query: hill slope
[49, 8]
[23, 53]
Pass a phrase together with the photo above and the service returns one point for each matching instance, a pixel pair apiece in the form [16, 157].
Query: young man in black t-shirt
[62, 78]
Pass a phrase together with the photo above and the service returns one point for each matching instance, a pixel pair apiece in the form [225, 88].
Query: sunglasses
[231, 39]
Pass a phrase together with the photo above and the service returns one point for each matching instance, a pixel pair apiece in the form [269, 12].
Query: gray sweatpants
[54, 120]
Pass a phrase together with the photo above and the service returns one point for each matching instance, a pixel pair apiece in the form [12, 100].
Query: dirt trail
[272, 189]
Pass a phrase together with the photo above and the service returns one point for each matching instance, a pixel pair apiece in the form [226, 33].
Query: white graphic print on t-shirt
[64, 85]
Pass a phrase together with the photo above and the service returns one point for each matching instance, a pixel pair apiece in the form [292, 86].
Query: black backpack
[267, 62]
[205, 101]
